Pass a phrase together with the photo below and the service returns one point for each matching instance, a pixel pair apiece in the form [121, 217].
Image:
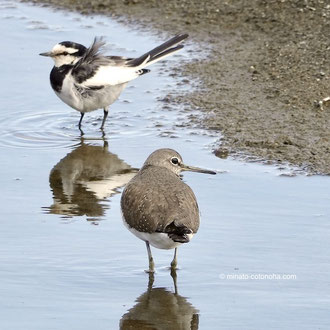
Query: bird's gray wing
[182, 216]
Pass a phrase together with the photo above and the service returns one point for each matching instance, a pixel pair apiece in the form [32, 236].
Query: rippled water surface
[67, 261]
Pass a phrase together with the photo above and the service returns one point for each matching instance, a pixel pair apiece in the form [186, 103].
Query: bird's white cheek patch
[65, 60]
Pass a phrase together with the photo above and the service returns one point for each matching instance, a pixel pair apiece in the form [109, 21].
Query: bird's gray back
[155, 198]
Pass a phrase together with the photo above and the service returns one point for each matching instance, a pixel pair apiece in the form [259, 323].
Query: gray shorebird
[158, 207]
[87, 80]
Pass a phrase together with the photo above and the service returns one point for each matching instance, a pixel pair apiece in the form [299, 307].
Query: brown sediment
[268, 65]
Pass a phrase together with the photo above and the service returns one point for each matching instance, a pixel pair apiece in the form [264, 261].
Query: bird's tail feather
[159, 52]
[164, 54]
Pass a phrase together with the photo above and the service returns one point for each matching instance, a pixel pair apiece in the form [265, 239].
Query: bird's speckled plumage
[158, 207]
[158, 191]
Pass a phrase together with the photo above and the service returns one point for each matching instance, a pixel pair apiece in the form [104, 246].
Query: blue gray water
[67, 262]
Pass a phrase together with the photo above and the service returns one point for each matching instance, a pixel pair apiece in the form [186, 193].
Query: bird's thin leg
[151, 281]
[105, 115]
[105, 145]
[174, 276]
[174, 262]
[81, 118]
[151, 260]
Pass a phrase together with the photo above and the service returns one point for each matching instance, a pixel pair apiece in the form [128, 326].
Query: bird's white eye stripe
[63, 50]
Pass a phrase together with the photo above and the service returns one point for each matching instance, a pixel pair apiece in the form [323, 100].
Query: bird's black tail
[163, 50]
[178, 233]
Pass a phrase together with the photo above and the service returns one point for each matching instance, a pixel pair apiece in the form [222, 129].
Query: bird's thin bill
[197, 169]
[46, 54]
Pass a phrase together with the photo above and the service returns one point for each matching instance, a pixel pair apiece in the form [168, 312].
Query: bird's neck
[57, 76]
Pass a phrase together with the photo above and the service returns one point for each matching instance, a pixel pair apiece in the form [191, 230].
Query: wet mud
[264, 67]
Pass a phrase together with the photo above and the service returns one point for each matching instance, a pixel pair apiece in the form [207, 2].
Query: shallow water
[67, 261]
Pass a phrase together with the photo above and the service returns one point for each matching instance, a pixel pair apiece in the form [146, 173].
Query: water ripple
[39, 130]
[58, 129]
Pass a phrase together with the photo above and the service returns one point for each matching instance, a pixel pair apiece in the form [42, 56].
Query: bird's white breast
[96, 99]
[68, 93]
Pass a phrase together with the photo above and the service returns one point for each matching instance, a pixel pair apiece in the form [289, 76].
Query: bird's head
[66, 53]
[172, 160]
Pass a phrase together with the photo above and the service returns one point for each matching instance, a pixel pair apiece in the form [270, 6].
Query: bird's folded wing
[110, 75]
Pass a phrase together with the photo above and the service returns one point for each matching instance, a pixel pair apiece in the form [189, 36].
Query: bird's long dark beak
[46, 54]
[196, 169]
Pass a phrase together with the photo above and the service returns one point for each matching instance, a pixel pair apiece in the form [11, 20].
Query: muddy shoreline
[267, 68]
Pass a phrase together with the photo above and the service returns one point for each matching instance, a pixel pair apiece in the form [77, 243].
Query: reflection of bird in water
[85, 177]
[159, 308]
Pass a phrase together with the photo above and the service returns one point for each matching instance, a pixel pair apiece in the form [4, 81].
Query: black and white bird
[87, 80]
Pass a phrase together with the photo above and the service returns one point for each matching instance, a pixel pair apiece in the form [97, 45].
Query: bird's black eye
[174, 161]
[65, 53]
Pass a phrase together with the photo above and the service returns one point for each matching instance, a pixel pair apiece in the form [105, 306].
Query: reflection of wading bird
[87, 80]
[84, 178]
[158, 308]
[158, 207]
